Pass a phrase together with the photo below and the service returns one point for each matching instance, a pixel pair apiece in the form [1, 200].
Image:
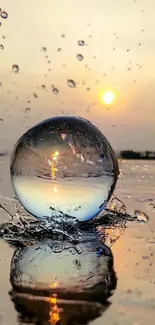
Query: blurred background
[91, 58]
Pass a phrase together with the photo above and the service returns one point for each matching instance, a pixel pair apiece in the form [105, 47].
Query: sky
[119, 54]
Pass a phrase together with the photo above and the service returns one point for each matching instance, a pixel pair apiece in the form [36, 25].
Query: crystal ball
[64, 166]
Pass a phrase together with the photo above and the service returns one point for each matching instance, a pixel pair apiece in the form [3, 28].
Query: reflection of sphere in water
[81, 271]
[53, 311]
[62, 282]
[64, 166]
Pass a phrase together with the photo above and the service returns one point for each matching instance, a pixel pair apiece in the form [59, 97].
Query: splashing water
[24, 229]
[64, 167]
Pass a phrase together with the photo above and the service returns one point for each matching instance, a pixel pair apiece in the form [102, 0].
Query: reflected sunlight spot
[54, 310]
[55, 190]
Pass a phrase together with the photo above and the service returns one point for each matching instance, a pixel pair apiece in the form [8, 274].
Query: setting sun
[108, 97]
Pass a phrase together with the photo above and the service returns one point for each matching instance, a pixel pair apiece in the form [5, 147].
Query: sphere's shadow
[58, 282]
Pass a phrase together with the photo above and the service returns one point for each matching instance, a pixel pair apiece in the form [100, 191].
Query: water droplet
[81, 43]
[58, 247]
[55, 90]
[15, 68]
[71, 83]
[3, 36]
[1, 47]
[0, 24]
[43, 86]
[56, 166]
[35, 95]
[80, 57]
[44, 49]
[4, 14]
[59, 49]
[63, 35]
[27, 109]
[141, 216]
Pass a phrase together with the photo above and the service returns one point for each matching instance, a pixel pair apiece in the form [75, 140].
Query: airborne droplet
[71, 83]
[44, 49]
[27, 109]
[80, 57]
[141, 216]
[15, 68]
[81, 43]
[4, 14]
[55, 91]
[35, 95]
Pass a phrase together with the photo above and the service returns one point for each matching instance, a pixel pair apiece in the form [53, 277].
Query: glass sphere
[64, 166]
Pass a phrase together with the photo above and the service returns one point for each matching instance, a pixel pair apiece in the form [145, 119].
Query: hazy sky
[119, 54]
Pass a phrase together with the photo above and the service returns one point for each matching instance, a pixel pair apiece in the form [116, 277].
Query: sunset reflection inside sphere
[64, 166]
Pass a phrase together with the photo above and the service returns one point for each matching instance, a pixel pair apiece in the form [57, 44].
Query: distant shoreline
[135, 155]
[2, 154]
[120, 158]
[122, 155]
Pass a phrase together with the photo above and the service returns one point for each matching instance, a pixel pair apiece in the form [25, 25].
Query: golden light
[54, 316]
[52, 163]
[108, 97]
[55, 154]
[55, 190]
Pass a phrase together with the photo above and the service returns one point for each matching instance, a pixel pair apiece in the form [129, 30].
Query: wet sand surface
[133, 302]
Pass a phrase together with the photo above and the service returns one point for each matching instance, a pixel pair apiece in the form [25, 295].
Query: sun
[108, 97]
